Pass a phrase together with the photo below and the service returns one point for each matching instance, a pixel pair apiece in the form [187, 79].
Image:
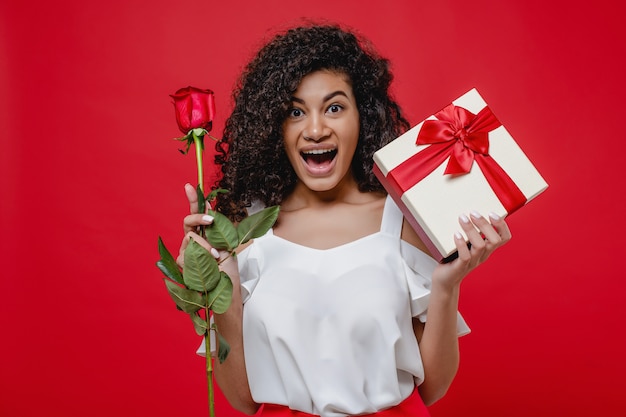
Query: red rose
[195, 108]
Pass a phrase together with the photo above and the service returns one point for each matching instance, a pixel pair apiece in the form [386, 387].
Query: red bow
[462, 137]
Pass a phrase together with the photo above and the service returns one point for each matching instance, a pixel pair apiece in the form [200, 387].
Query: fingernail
[494, 216]
[464, 218]
[215, 253]
[475, 214]
[207, 218]
[458, 235]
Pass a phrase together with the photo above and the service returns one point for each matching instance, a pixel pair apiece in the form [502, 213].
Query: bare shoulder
[243, 246]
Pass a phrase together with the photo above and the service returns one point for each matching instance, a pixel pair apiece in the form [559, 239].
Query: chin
[326, 184]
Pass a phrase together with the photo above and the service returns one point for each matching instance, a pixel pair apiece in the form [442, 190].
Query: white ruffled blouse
[329, 332]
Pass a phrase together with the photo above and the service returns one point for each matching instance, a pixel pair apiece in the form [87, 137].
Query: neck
[302, 196]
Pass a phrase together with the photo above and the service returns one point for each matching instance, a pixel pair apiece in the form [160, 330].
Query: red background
[90, 177]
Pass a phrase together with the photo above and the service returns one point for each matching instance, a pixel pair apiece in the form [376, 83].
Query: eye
[334, 108]
[295, 113]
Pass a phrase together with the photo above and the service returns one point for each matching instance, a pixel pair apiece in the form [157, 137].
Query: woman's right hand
[191, 224]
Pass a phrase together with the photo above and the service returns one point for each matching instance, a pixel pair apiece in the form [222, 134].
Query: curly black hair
[254, 163]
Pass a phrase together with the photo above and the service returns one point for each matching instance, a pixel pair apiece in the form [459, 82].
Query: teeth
[318, 151]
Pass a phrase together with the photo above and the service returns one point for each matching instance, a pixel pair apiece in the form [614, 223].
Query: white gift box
[433, 200]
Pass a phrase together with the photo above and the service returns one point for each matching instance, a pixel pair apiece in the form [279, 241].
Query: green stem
[197, 140]
[209, 366]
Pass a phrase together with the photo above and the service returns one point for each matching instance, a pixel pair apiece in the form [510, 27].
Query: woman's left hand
[484, 236]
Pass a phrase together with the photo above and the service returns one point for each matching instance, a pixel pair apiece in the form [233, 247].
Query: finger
[192, 196]
[489, 234]
[501, 227]
[473, 235]
[199, 240]
[202, 242]
[192, 221]
[462, 249]
[180, 260]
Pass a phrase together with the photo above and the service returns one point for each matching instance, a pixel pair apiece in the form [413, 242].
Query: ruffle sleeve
[419, 269]
[248, 261]
[249, 271]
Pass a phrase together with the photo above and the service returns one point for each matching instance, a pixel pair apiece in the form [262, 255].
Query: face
[321, 130]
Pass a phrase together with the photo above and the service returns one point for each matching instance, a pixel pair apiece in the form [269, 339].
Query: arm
[439, 344]
[231, 376]
[437, 338]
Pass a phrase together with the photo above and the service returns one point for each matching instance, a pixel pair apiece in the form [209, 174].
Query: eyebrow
[325, 99]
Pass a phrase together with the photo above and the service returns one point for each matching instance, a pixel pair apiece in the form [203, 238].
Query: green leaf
[220, 297]
[257, 225]
[223, 348]
[210, 197]
[213, 194]
[201, 200]
[187, 300]
[184, 138]
[221, 234]
[200, 326]
[187, 138]
[201, 272]
[167, 264]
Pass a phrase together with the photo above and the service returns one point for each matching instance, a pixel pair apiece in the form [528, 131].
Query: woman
[341, 310]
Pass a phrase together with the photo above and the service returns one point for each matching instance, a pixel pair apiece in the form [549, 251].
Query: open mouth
[319, 158]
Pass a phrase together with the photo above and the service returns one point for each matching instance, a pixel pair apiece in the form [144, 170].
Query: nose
[316, 129]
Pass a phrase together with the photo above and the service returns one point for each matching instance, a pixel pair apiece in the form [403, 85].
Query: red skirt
[412, 406]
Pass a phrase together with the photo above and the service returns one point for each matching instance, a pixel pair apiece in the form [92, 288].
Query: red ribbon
[463, 137]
